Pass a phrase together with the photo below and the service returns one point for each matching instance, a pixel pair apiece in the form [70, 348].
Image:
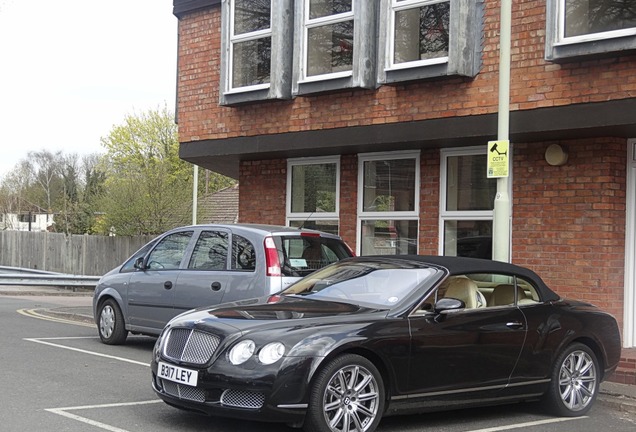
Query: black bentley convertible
[374, 336]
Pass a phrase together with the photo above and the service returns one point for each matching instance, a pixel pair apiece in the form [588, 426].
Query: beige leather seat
[465, 290]
[504, 294]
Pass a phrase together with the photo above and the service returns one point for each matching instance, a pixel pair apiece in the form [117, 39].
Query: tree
[147, 188]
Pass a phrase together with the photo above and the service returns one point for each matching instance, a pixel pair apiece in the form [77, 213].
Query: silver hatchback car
[205, 265]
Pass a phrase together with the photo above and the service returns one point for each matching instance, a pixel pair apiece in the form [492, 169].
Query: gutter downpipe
[502, 209]
[195, 189]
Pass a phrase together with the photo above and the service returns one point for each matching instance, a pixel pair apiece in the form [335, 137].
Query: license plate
[178, 374]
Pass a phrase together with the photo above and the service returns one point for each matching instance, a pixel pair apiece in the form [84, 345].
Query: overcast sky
[72, 69]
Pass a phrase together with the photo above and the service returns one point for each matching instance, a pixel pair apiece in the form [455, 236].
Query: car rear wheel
[111, 327]
[574, 382]
[348, 395]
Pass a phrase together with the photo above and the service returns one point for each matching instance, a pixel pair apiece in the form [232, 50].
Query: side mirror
[139, 263]
[448, 304]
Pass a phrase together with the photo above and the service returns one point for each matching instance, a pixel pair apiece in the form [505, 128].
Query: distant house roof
[220, 207]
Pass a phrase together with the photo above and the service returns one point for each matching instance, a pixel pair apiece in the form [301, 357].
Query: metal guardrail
[29, 277]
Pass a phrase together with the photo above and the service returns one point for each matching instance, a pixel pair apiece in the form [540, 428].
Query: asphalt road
[58, 376]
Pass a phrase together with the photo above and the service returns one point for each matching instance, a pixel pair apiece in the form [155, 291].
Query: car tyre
[111, 327]
[347, 395]
[574, 382]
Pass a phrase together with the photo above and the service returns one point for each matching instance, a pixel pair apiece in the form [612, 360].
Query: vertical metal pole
[195, 188]
[501, 222]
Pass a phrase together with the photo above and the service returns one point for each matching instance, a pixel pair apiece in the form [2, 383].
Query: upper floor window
[256, 34]
[577, 28]
[420, 31]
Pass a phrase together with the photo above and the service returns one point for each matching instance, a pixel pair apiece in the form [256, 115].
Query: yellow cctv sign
[498, 161]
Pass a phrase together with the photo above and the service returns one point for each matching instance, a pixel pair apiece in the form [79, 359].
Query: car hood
[274, 312]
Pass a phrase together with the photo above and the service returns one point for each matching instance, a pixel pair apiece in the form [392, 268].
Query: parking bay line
[528, 424]
[64, 412]
[44, 341]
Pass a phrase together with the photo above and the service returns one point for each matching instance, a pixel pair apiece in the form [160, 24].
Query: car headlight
[241, 352]
[271, 353]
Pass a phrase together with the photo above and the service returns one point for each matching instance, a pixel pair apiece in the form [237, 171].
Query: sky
[71, 70]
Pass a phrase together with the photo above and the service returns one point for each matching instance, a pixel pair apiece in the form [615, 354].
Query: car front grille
[191, 346]
[182, 391]
[242, 399]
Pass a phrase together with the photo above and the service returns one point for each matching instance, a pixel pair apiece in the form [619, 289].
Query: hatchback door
[150, 292]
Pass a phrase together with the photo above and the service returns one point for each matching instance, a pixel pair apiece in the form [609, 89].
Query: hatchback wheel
[348, 395]
[575, 381]
[111, 327]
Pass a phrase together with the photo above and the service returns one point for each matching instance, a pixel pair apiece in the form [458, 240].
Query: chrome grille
[242, 399]
[191, 346]
[182, 391]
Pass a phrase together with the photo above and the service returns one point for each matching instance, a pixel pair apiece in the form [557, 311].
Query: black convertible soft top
[462, 265]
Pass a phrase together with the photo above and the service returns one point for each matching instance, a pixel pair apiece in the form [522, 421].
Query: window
[583, 27]
[334, 41]
[243, 254]
[256, 34]
[210, 252]
[427, 38]
[169, 252]
[313, 193]
[388, 203]
[467, 204]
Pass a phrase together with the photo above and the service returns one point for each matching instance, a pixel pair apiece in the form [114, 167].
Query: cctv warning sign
[498, 161]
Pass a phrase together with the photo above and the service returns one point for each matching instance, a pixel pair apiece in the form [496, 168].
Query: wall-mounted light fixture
[556, 155]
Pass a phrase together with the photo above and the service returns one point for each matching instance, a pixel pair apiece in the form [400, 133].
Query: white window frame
[244, 37]
[466, 215]
[394, 215]
[320, 22]
[562, 40]
[397, 6]
[298, 216]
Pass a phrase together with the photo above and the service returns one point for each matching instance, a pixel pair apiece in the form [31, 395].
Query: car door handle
[167, 285]
[216, 286]
[514, 325]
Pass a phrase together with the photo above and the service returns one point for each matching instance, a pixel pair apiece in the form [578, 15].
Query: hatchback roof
[262, 228]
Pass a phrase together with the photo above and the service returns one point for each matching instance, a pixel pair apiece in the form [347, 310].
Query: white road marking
[63, 412]
[34, 314]
[529, 424]
[44, 342]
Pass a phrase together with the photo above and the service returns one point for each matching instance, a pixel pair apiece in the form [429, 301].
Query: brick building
[371, 118]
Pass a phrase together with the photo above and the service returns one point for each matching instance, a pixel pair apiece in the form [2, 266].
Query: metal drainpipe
[195, 195]
[502, 209]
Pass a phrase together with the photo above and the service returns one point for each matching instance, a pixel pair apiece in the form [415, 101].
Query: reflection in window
[243, 254]
[251, 42]
[467, 186]
[388, 237]
[468, 238]
[389, 185]
[210, 252]
[329, 37]
[421, 32]
[169, 252]
[584, 17]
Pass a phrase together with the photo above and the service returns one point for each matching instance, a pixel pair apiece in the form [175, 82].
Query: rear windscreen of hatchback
[303, 255]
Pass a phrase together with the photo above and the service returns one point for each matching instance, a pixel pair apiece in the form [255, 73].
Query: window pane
[389, 237]
[169, 252]
[329, 226]
[389, 185]
[243, 254]
[252, 62]
[468, 239]
[467, 186]
[422, 33]
[251, 15]
[313, 188]
[210, 252]
[322, 8]
[597, 16]
[330, 48]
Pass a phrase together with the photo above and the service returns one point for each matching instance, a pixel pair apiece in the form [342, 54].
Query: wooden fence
[74, 254]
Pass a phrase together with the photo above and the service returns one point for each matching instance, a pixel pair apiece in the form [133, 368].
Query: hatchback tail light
[271, 258]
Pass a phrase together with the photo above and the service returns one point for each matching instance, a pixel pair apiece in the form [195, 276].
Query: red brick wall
[429, 202]
[349, 199]
[534, 83]
[262, 191]
[569, 221]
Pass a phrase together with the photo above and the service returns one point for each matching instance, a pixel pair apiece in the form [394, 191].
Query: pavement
[621, 397]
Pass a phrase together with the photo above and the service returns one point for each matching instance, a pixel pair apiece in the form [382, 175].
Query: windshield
[376, 284]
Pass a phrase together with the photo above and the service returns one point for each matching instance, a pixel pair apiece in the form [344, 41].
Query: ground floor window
[313, 193]
[388, 203]
[467, 201]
